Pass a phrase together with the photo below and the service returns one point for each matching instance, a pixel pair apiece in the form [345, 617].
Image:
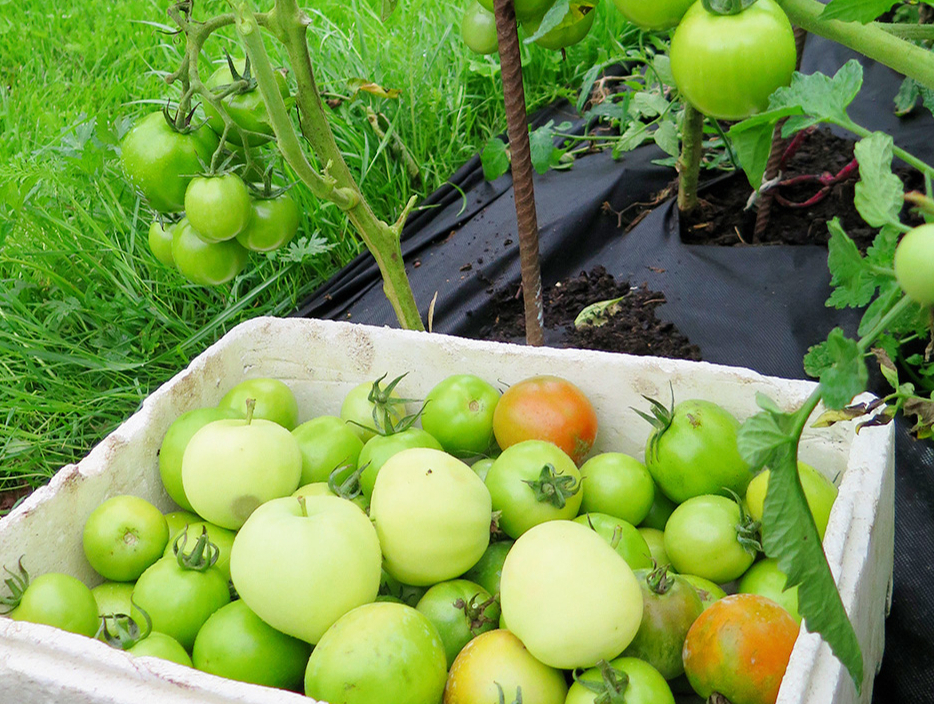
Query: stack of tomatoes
[474, 549]
[209, 220]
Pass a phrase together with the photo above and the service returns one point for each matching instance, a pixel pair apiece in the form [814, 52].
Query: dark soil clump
[634, 329]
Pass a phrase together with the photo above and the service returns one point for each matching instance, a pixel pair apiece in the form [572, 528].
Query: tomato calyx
[383, 411]
[659, 580]
[553, 488]
[126, 631]
[518, 695]
[726, 7]
[659, 417]
[349, 486]
[184, 125]
[474, 610]
[748, 530]
[203, 555]
[611, 689]
[242, 82]
[718, 698]
[17, 584]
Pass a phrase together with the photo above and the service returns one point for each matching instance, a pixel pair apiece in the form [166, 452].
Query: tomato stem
[689, 162]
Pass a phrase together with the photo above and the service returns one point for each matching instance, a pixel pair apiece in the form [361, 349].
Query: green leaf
[586, 87]
[851, 275]
[387, 9]
[846, 377]
[666, 136]
[495, 159]
[816, 360]
[753, 140]
[819, 97]
[862, 11]
[884, 247]
[634, 135]
[881, 305]
[878, 196]
[543, 153]
[790, 536]
[662, 67]
[650, 104]
[906, 98]
[764, 436]
[552, 18]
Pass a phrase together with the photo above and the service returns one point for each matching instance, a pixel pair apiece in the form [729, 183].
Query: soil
[634, 329]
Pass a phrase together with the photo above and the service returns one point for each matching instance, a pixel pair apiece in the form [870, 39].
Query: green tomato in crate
[160, 645]
[495, 666]
[379, 449]
[573, 28]
[381, 652]
[478, 29]
[661, 509]
[222, 538]
[326, 442]
[174, 445]
[482, 467]
[654, 15]
[123, 536]
[583, 572]
[820, 492]
[273, 401]
[246, 108]
[708, 592]
[655, 541]
[532, 482]
[621, 536]
[274, 222]
[177, 520]
[692, 450]
[915, 264]
[114, 598]
[635, 680]
[322, 489]
[235, 643]
[458, 413]
[617, 485]
[300, 565]
[231, 467]
[460, 610]
[390, 589]
[218, 207]
[487, 573]
[366, 416]
[766, 579]
[160, 239]
[54, 599]
[712, 537]
[432, 515]
[670, 606]
[204, 263]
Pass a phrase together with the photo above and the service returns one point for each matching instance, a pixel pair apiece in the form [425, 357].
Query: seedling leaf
[878, 196]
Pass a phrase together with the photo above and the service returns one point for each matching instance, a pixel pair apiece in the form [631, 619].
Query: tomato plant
[458, 412]
[243, 102]
[727, 66]
[546, 408]
[123, 536]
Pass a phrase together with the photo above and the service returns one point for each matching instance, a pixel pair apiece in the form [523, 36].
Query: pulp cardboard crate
[321, 361]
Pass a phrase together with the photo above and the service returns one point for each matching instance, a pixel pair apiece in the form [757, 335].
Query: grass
[90, 322]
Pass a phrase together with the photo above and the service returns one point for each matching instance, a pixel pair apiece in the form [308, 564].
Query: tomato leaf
[851, 275]
[666, 136]
[818, 97]
[862, 11]
[634, 135]
[876, 310]
[753, 139]
[543, 153]
[387, 9]
[878, 196]
[846, 377]
[495, 159]
[552, 18]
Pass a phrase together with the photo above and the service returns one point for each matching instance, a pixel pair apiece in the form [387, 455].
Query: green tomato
[326, 442]
[482, 467]
[124, 536]
[458, 412]
[179, 600]
[114, 598]
[160, 240]
[203, 263]
[566, 570]
[702, 538]
[174, 445]
[159, 162]
[222, 538]
[273, 401]
[160, 645]
[360, 413]
[235, 643]
[322, 489]
[654, 15]
[391, 589]
[669, 606]
[496, 667]
[432, 515]
[231, 467]
[661, 509]
[727, 66]
[379, 449]
[532, 482]
[617, 485]
[820, 492]
[274, 222]
[479, 29]
[218, 207]
[573, 28]
[708, 592]
[655, 541]
[302, 565]
[177, 520]
[382, 652]
[460, 610]
[487, 573]
[621, 536]
[246, 109]
[697, 453]
[59, 600]
[915, 265]
[643, 683]
[766, 579]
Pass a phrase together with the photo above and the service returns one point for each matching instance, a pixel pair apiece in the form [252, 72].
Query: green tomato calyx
[518, 695]
[659, 580]
[383, 408]
[126, 631]
[475, 612]
[242, 82]
[17, 583]
[659, 417]
[202, 556]
[726, 7]
[349, 486]
[611, 689]
[748, 530]
[553, 488]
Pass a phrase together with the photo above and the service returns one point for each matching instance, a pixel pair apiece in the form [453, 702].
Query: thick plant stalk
[689, 163]
[873, 42]
[522, 179]
[289, 25]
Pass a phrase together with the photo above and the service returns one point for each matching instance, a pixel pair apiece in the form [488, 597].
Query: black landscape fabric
[757, 307]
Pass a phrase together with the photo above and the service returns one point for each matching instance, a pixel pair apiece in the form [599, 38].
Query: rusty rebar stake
[513, 91]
